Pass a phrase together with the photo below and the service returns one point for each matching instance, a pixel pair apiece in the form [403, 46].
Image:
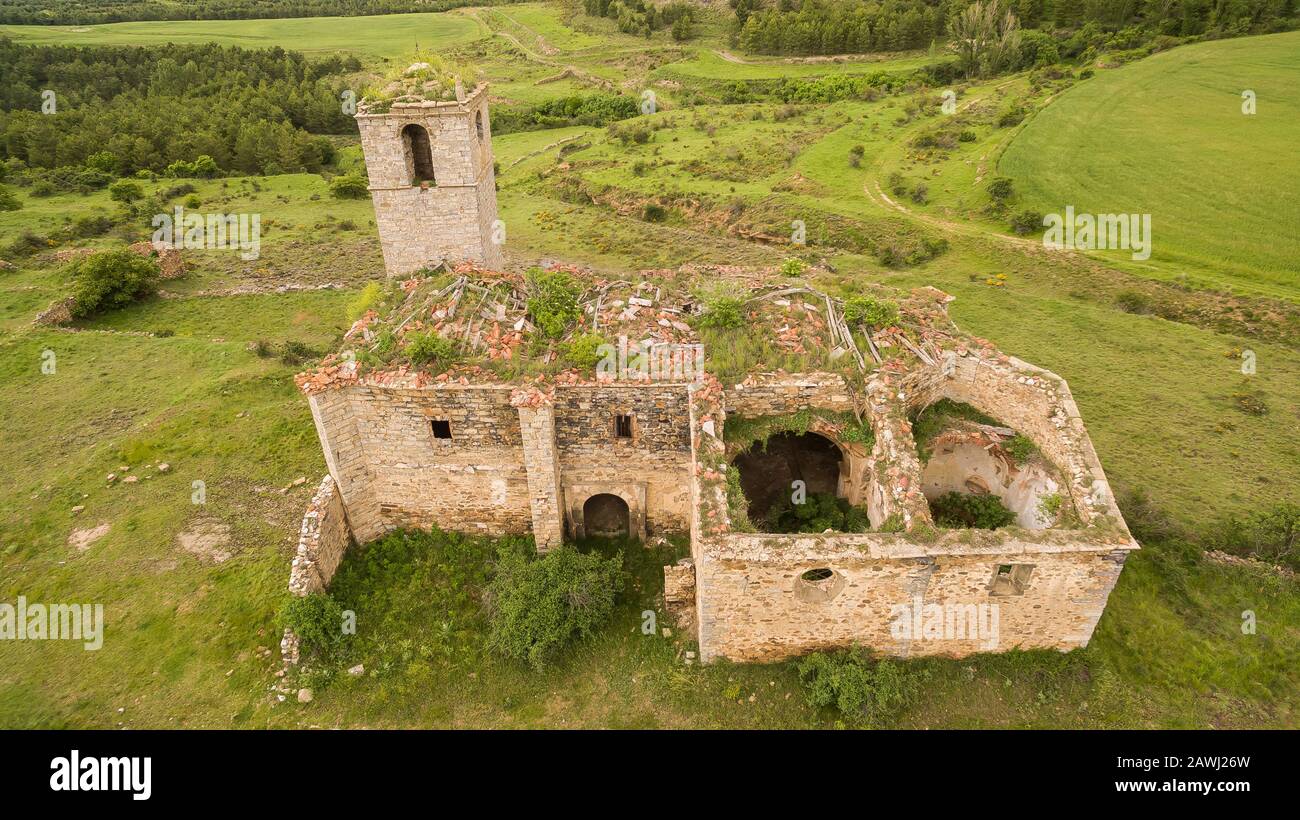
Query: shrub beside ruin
[537, 605]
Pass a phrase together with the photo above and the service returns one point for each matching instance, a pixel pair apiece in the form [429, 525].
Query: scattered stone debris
[1252, 563]
[359, 669]
[305, 696]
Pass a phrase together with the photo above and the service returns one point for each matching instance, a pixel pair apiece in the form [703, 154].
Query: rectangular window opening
[622, 426]
[441, 428]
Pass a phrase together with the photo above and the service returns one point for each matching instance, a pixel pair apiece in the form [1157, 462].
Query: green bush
[1271, 535]
[430, 348]
[583, 351]
[111, 279]
[1136, 302]
[869, 311]
[1001, 189]
[722, 312]
[125, 190]
[818, 513]
[553, 302]
[317, 620]
[537, 605]
[9, 200]
[295, 353]
[1012, 116]
[349, 186]
[1026, 222]
[792, 267]
[959, 510]
[85, 227]
[204, 167]
[1020, 448]
[862, 689]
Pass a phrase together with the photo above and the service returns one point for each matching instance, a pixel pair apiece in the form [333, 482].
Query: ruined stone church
[480, 447]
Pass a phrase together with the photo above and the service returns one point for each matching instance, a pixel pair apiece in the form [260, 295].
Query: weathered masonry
[581, 455]
[497, 459]
[432, 181]
[427, 418]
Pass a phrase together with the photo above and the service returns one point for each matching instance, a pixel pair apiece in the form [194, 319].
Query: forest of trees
[83, 12]
[644, 16]
[124, 109]
[805, 27]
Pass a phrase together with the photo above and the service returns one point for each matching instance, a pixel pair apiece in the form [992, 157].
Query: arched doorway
[605, 515]
[419, 153]
[769, 468]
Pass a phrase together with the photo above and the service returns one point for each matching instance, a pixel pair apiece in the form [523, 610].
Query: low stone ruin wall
[323, 539]
[896, 596]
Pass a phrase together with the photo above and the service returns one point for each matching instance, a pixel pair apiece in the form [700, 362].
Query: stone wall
[449, 219]
[543, 469]
[1036, 403]
[510, 466]
[322, 540]
[773, 394]
[657, 456]
[753, 604]
[386, 455]
[1032, 588]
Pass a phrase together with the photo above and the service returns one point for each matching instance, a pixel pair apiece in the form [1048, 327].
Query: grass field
[1167, 136]
[192, 641]
[379, 36]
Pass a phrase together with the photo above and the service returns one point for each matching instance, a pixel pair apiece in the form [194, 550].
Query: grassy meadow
[191, 590]
[1167, 136]
[382, 36]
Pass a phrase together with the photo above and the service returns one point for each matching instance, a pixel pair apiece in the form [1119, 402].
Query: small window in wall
[441, 428]
[1011, 579]
[478, 125]
[622, 426]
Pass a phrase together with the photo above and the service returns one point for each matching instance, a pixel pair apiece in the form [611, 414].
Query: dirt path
[872, 188]
[539, 152]
[879, 197]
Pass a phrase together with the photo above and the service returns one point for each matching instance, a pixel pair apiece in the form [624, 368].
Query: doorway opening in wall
[790, 482]
[605, 515]
[419, 154]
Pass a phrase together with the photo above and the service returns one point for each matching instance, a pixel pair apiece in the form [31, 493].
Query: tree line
[808, 27]
[128, 109]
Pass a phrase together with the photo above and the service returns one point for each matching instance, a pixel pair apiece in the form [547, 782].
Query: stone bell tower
[432, 182]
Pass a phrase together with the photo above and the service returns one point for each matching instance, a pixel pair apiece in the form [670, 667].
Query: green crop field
[379, 36]
[200, 376]
[1167, 136]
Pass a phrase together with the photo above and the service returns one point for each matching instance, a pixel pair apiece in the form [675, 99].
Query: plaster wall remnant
[432, 182]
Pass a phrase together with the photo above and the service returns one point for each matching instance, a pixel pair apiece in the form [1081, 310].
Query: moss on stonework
[741, 432]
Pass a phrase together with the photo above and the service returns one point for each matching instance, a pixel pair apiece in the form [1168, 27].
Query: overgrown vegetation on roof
[425, 76]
